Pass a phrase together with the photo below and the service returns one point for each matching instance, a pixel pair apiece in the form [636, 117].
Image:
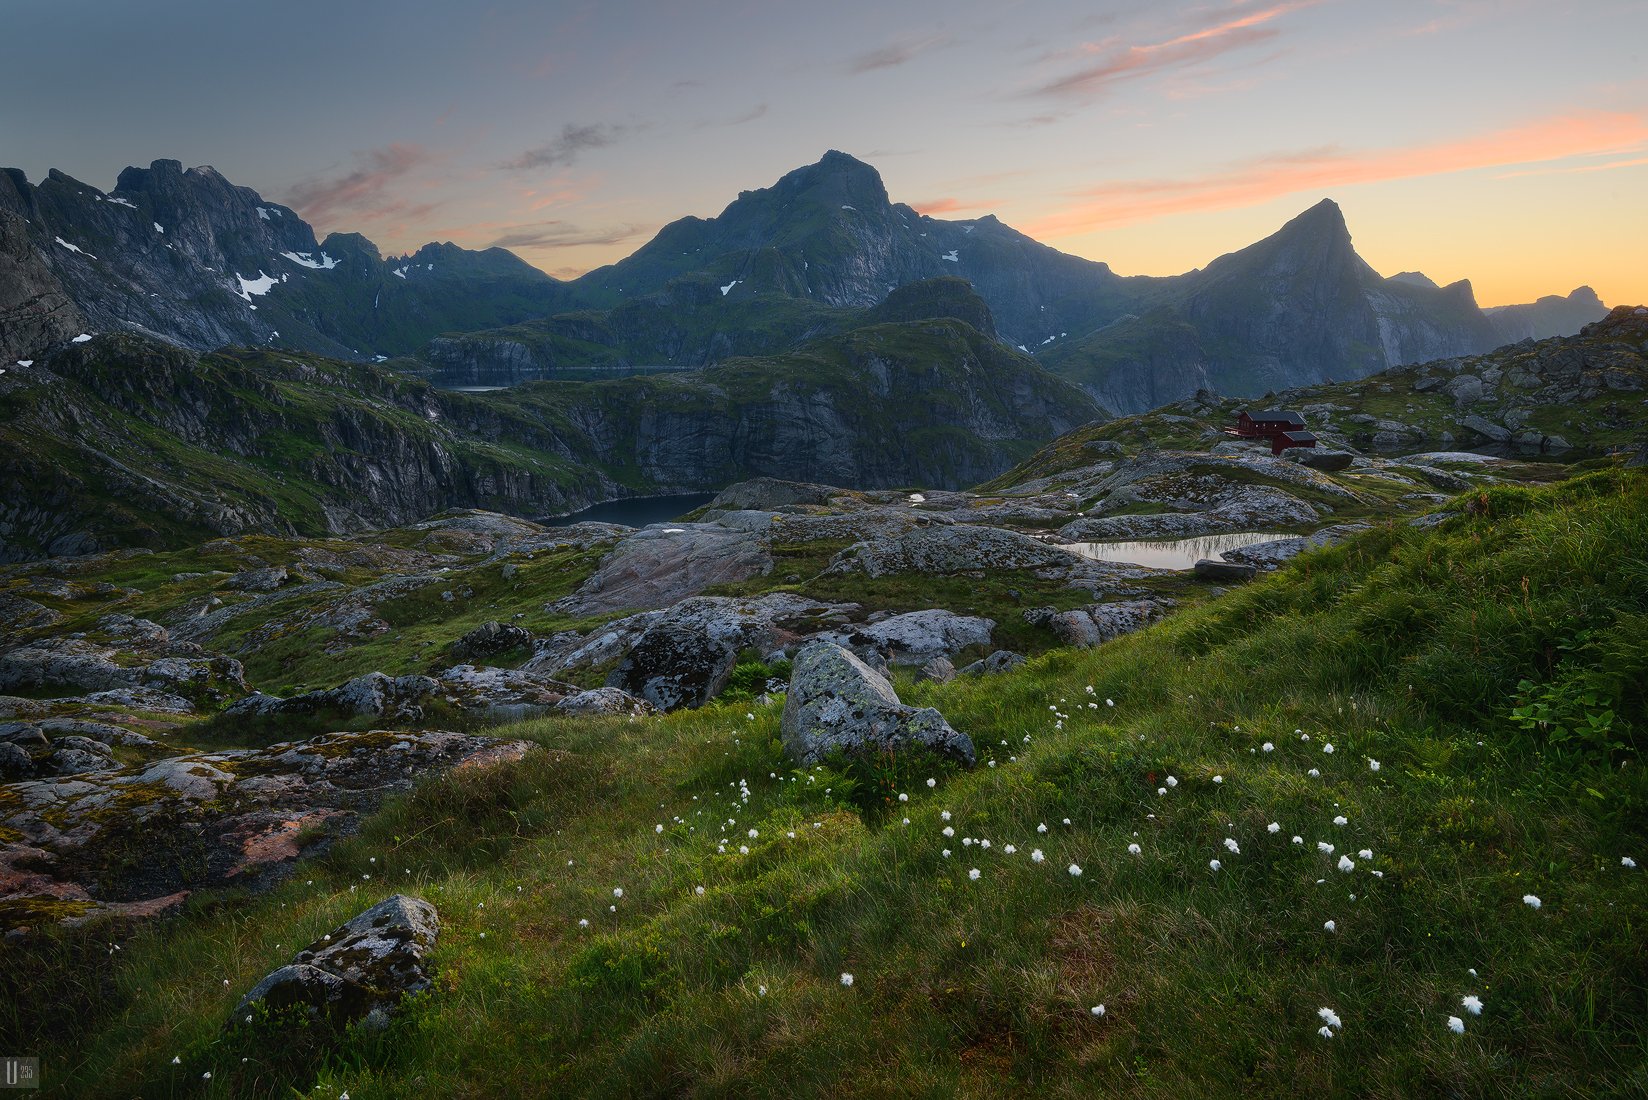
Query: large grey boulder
[950, 549]
[358, 971]
[685, 655]
[1210, 569]
[1094, 625]
[603, 701]
[767, 493]
[838, 703]
[916, 637]
[489, 638]
[375, 695]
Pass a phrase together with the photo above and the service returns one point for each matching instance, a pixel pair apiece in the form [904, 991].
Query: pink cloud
[364, 192]
[950, 204]
[1253, 182]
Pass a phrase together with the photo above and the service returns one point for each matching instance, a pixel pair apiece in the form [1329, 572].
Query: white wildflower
[1042, 828]
[1628, 863]
[949, 830]
[1531, 901]
[1075, 871]
[1373, 765]
[1036, 856]
[1472, 1004]
[1329, 926]
[1341, 820]
[1365, 853]
[1230, 843]
[1218, 779]
[1346, 864]
[1134, 849]
[1172, 781]
[1097, 1010]
[1214, 865]
[617, 891]
[1329, 1017]
[846, 979]
[1324, 847]
[902, 797]
[973, 874]
[1273, 827]
[1325, 1032]
[932, 783]
[1456, 1025]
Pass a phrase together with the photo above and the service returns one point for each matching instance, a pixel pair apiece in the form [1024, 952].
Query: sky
[1504, 142]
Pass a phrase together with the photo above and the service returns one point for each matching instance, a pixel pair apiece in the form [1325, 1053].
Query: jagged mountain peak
[1414, 278]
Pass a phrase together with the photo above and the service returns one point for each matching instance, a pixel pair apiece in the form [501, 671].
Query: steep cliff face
[127, 441]
[35, 310]
[190, 258]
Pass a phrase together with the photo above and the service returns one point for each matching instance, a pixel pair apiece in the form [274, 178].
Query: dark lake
[635, 511]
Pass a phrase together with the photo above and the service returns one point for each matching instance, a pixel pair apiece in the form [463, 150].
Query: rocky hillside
[188, 257]
[1552, 315]
[1586, 393]
[125, 441]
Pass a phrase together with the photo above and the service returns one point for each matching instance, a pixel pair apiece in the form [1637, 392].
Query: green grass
[1414, 648]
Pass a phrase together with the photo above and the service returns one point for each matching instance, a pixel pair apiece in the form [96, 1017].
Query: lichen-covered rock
[201, 679]
[916, 637]
[374, 695]
[1090, 626]
[358, 971]
[258, 580]
[604, 700]
[939, 670]
[501, 692]
[63, 664]
[685, 655]
[15, 762]
[145, 835]
[1269, 555]
[1002, 660]
[950, 549]
[491, 637]
[837, 703]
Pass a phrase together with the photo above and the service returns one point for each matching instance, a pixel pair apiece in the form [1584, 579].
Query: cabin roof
[1278, 416]
[1299, 437]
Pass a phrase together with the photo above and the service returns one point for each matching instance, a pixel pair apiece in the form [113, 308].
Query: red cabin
[1282, 427]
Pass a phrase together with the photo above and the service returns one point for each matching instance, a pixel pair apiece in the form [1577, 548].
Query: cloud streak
[1118, 65]
[560, 234]
[950, 204]
[572, 142]
[895, 54]
[1250, 183]
[363, 192]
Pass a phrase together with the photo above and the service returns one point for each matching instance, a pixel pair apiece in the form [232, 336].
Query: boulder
[837, 703]
[258, 580]
[918, 636]
[1316, 458]
[685, 655]
[950, 549]
[1224, 572]
[939, 670]
[502, 693]
[373, 695]
[604, 700]
[1098, 623]
[1002, 660]
[768, 493]
[15, 763]
[358, 971]
[490, 638]
[1269, 555]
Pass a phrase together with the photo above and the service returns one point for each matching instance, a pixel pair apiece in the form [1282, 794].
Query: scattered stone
[604, 700]
[491, 637]
[1099, 623]
[1225, 572]
[372, 695]
[660, 565]
[1002, 660]
[918, 636]
[258, 580]
[939, 670]
[358, 971]
[837, 703]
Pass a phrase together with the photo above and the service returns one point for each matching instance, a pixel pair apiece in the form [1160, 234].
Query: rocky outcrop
[1002, 660]
[1552, 315]
[604, 701]
[683, 657]
[1098, 623]
[918, 637]
[140, 838]
[663, 564]
[836, 703]
[359, 971]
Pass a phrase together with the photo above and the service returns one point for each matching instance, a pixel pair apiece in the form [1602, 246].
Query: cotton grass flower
[1274, 827]
[1628, 863]
[1010, 849]
[1214, 865]
[1134, 849]
[1232, 846]
[1172, 781]
[1346, 864]
[1329, 1017]
[1036, 856]
[1472, 1004]
[1324, 847]
[1531, 901]
[1328, 748]
[1042, 828]
[1341, 820]
[973, 874]
[846, 979]
[902, 797]
[1456, 1025]
[1373, 765]
[1268, 746]
[1218, 779]
[1075, 871]
[931, 783]
[1097, 1010]
[949, 830]
[1314, 773]
[1329, 926]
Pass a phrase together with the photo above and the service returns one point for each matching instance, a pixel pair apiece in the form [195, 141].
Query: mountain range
[191, 259]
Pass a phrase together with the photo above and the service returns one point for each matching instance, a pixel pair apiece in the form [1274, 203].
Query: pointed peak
[1323, 218]
[1413, 278]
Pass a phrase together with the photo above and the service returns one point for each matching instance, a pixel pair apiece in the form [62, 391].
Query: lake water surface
[1170, 553]
[635, 511]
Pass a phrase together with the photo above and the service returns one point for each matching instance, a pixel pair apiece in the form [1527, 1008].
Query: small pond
[635, 511]
[1171, 553]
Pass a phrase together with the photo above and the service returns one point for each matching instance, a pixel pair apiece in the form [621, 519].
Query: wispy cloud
[572, 142]
[559, 234]
[1251, 182]
[364, 192]
[1118, 63]
[950, 205]
[897, 53]
[1633, 162]
[758, 111]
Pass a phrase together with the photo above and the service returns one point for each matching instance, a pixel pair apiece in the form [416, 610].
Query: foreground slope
[1292, 920]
